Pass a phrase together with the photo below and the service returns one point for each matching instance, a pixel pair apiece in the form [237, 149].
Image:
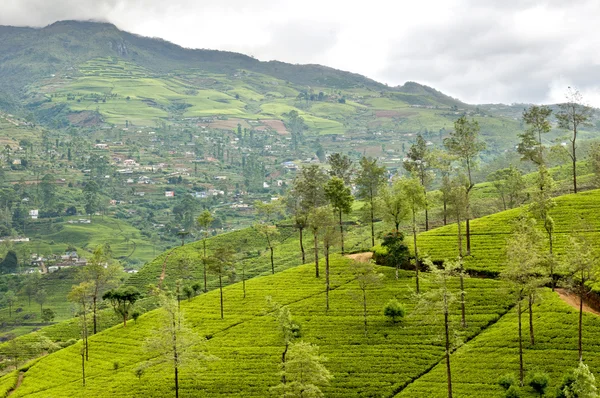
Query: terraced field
[488, 234]
[248, 345]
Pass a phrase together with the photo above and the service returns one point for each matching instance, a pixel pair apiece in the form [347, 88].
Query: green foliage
[507, 380]
[394, 311]
[583, 384]
[122, 300]
[48, 315]
[539, 381]
[513, 392]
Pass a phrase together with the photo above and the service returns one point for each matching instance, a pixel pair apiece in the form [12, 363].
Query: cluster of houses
[54, 263]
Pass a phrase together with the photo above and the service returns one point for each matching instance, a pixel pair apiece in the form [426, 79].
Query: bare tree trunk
[448, 371]
[327, 288]
[552, 281]
[175, 358]
[468, 237]
[302, 246]
[94, 299]
[531, 336]
[341, 232]
[272, 263]
[365, 309]
[316, 254]
[204, 262]
[462, 297]
[372, 223]
[85, 336]
[283, 381]
[221, 291]
[415, 246]
[580, 321]
[574, 158]
[521, 371]
[83, 367]
[445, 211]
[244, 280]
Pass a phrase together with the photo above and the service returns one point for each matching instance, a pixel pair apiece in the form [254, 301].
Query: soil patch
[229, 124]
[19, 381]
[573, 301]
[360, 257]
[276, 125]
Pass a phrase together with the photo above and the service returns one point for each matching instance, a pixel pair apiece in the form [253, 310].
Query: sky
[479, 51]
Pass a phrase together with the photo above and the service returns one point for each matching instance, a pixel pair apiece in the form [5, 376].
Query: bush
[539, 382]
[507, 381]
[513, 392]
[394, 311]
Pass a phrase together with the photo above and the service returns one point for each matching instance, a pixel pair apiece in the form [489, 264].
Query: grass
[249, 347]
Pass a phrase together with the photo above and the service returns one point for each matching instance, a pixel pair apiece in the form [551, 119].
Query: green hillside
[575, 212]
[377, 365]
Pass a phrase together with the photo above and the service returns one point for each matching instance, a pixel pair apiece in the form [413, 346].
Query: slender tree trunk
[175, 359]
[204, 263]
[531, 336]
[580, 321]
[460, 246]
[341, 232]
[85, 336]
[372, 223]
[315, 235]
[302, 245]
[448, 371]
[574, 158]
[468, 236]
[83, 367]
[244, 280]
[414, 216]
[283, 381]
[327, 288]
[365, 309]
[521, 371]
[426, 208]
[272, 263]
[463, 320]
[221, 291]
[445, 211]
[552, 281]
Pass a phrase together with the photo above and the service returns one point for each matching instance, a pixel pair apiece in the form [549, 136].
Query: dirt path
[360, 257]
[164, 269]
[19, 381]
[573, 301]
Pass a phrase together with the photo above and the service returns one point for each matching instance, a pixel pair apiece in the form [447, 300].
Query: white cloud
[476, 50]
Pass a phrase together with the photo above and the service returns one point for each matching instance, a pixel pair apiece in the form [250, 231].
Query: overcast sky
[479, 51]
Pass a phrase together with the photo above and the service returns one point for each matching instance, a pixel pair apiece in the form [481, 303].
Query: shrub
[539, 382]
[513, 392]
[507, 380]
[394, 311]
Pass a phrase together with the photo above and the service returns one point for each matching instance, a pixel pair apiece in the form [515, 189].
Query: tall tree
[288, 327]
[415, 200]
[580, 267]
[81, 295]
[464, 143]
[304, 372]
[221, 264]
[122, 300]
[397, 251]
[573, 115]
[522, 270]
[41, 297]
[103, 274]
[9, 299]
[418, 162]
[509, 184]
[341, 167]
[330, 237]
[299, 216]
[369, 180]
[205, 220]
[174, 342]
[594, 156]
[341, 199]
[393, 204]
[367, 278]
[268, 213]
[318, 220]
[531, 146]
[309, 190]
[540, 207]
[441, 299]
[91, 195]
[457, 200]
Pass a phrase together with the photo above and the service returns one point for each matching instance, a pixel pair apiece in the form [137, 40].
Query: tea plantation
[575, 212]
[249, 347]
